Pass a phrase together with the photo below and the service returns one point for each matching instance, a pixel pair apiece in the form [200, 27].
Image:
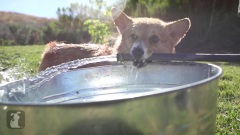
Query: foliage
[68, 28]
[97, 29]
[176, 8]
[147, 8]
[75, 25]
[7, 42]
[48, 32]
[25, 35]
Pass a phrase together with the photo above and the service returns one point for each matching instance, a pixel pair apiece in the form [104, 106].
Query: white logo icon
[14, 121]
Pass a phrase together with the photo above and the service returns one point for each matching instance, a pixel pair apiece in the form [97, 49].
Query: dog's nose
[137, 53]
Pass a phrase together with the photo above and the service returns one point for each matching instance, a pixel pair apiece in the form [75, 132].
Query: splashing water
[12, 74]
[6, 76]
[55, 70]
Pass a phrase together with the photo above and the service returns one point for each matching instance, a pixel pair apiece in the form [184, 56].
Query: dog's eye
[133, 37]
[154, 39]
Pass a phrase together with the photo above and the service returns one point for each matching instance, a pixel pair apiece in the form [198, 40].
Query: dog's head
[141, 37]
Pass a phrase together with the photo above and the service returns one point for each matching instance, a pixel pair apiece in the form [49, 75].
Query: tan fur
[56, 53]
[140, 37]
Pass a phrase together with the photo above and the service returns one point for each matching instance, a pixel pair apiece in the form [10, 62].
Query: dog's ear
[178, 29]
[121, 20]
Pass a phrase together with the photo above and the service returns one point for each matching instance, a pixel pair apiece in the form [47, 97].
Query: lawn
[18, 61]
[228, 117]
[25, 60]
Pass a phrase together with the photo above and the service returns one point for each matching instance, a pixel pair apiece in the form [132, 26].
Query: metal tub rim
[139, 95]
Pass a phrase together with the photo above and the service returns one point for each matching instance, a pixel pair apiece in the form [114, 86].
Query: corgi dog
[140, 37]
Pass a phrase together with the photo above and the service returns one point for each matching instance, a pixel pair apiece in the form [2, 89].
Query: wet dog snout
[137, 52]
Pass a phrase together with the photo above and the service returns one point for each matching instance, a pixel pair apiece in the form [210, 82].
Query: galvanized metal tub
[163, 98]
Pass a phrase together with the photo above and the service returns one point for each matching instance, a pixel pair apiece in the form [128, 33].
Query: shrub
[97, 29]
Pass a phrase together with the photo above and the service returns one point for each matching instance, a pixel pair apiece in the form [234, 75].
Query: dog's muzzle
[137, 54]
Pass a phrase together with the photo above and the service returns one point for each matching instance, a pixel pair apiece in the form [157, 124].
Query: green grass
[23, 59]
[27, 59]
[228, 117]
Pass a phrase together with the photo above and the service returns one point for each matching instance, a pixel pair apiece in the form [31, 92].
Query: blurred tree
[147, 8]
[48, 32]
[70, 25]
[97, 29]
[77, 23]
[24, 35]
